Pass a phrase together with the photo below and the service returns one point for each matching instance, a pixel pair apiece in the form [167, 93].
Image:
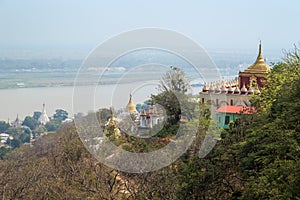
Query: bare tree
[174, 80]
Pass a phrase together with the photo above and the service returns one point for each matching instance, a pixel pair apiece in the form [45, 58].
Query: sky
[231, 24]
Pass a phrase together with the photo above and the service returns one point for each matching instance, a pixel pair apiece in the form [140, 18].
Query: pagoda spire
[259, 65]
[259, 57]
[43, 111]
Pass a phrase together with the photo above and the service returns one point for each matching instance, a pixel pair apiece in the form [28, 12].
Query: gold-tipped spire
[260, 57]
[259, 65]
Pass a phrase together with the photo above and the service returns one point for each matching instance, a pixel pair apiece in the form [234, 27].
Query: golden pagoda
[259, 65]
[131, 108]
[255, 74]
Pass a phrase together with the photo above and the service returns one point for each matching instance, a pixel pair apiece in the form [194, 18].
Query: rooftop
[236, 109]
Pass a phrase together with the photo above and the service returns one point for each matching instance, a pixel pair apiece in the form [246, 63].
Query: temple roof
[259, 65]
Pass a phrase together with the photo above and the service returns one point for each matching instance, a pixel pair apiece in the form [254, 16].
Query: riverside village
[227, 100]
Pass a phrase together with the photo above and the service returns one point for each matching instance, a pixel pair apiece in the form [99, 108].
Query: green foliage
[258, 157]
[3, 152]
[170, 103]
[173, 98]
[31, 122]
[3, 126]
[138, 107]
[38, 130]
[111, 129]
[270, 153]
[20, 135]
[280, 180]
[215, 176]
[60, 114]
[104, 114]
[53, 124]
[36, 115]
[14, 143]
[283, 74]
[166, 131]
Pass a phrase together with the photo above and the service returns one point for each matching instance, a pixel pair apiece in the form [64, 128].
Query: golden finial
[259, 52]
[259, 65]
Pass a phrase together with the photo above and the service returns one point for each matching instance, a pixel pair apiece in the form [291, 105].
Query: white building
[4, 137]
[147, 118]
[151, 117]
[43, 119]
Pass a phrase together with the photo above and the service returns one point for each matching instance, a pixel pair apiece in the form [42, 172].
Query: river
[24, 101]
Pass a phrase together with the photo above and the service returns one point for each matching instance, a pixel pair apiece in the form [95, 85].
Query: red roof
[236, 109]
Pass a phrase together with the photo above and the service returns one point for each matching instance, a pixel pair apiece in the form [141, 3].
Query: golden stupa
[256, 73]
[131, 108]
[259, 65]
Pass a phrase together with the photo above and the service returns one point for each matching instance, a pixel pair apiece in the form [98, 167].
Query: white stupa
[43, 119]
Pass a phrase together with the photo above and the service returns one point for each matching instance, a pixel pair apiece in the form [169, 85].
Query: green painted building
[226, 114]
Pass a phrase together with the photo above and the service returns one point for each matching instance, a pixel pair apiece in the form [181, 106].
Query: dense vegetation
[257, 158]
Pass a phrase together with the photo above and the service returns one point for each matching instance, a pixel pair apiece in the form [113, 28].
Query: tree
[138, 107]
[168, 100]
[270, 153]
[38, 130]
[14, 143]
[282, 74]
[104, 114]
[30, 122]
[60, 114]
[4, 151]
[36, 115]
[173, 87]
[15, 131]
[20, 135]
[258, 158]
[53, 124]
[3, 126]
[174, 80]
[146, 105]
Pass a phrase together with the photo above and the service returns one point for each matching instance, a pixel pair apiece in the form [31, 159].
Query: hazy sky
[214, 24]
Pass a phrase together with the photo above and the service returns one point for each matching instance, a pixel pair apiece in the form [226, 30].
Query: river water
[24, 101]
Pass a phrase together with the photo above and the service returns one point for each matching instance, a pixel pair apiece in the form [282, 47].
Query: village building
[227, 114]
[150, 117]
